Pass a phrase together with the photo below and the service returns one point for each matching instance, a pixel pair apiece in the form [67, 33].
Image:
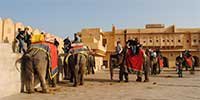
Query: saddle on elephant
[51, 51]
[188, 61]
[78, 48]
[135, 61]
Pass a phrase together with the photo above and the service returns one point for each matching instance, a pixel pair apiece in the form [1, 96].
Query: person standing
[67, 45]
[27, 37]
[77, 39]
[56, 43]
[119, 50]
[20, 37]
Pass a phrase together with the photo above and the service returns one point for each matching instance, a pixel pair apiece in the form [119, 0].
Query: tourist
[119, 50]
[27, 37]
[67, 45]
[20, 38]
[56, 43]
[77, 39]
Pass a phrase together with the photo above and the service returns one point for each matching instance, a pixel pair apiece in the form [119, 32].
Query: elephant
[154, 65]
[34, 65]
[76, 64]
[91, 64]
[124, 69]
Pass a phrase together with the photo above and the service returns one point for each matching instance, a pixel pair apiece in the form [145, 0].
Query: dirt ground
[166, 86]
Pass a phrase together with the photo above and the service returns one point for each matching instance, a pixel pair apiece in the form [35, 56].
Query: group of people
[24, 39]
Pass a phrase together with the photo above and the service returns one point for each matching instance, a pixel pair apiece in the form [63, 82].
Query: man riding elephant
[133, 57]
[188, 61]
[137, 60]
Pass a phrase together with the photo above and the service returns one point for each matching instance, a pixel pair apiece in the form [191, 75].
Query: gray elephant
[154, 65]
[77, 63]
[91, 64]
[33, 68]
[123, 72]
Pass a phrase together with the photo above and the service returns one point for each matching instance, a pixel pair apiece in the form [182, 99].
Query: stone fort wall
[8, 31]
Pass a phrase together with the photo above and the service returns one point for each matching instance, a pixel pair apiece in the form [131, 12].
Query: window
[163, 40]
[104, 42]
[167, 40]
[144, 41]
[188, 41]
[150, 40]
[179, 40]
[156, 40]
[194, 41]
[172, 40]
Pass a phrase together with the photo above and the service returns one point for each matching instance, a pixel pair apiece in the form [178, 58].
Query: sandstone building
[171, 41]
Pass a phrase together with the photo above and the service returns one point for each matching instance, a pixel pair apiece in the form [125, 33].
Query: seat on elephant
[78, 48]
[135, 61]
[51, 51]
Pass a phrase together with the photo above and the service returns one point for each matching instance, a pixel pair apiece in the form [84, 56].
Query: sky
[66, 17]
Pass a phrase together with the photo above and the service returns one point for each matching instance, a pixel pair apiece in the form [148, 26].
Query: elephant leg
[121, 74]
[139, 76]
[82, 71]
[93, 70]
[146, 73]
[126, 77]
[30, 83]
[111, 72]
[65, 72]
[54, 81]
[72, 76]
[76, 75]
[186, 68]
[22, 81]
[126, 73]
[41, 76]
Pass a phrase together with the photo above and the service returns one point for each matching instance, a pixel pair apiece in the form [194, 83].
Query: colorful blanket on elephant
[188, 61]
[77, 48]
[135, 62]
[161, 62]
[51, 50]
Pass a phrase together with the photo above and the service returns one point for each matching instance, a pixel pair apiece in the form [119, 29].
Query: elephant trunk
[17, 61]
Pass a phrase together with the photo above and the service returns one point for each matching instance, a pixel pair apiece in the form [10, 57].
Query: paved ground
[166, 86]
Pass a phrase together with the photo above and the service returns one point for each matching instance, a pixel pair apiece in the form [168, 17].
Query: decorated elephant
[125, 64]
[33, 67]
[38, 64]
